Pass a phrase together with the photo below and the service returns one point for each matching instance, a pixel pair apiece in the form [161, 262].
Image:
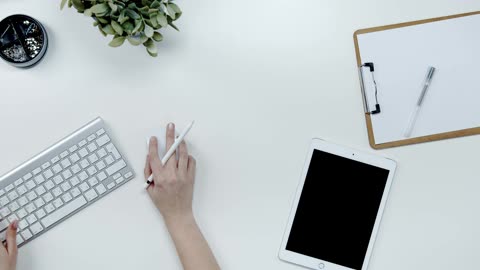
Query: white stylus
[413, 117]
[170, 151]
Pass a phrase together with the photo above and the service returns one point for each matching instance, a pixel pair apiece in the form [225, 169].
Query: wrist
[179, 221]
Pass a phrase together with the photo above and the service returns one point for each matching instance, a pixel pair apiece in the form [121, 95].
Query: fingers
[12, 238]
[182, 157]
[148, 170]
[172, 162]
[154, 159]
[192, 166]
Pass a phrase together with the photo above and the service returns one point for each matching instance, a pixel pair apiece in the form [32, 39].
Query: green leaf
[128, 27]
[153, 21]
[87, 12]
[108, 29]
[95, 23]
[102, 20]
[148, 30]
[101, 31]
[138, 26]
[151, 48]
[162, 20]
[135, 40]
[122, 18]
[157, 36]
[132, 14]
[176, 9]
[117, 41]
[78, 4]
[117, 27]
[173, 26]
[155, 4]
[171, 11]
[99, 8]
[113, 6]
[62, 4]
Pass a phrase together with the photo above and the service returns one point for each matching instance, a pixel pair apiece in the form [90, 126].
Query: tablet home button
[321, 265]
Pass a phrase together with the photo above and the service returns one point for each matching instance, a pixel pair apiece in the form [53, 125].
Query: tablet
[337, 208]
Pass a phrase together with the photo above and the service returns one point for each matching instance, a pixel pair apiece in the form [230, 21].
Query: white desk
[260, 78]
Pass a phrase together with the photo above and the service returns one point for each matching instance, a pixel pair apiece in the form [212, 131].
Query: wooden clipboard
[430, 138]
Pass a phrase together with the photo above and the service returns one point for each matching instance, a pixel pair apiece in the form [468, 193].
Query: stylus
[170, 151]
[413, 117]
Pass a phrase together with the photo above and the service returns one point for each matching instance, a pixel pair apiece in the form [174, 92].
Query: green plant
[134, 20]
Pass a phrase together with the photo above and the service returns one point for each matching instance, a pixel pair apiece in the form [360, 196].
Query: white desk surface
[260, 78]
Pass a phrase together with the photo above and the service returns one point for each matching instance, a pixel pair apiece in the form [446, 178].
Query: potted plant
[137, 21]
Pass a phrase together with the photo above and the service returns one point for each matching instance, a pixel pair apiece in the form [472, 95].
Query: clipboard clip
[371, 67]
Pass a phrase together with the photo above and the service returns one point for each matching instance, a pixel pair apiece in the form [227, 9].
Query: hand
[8, 253]
[172, 187]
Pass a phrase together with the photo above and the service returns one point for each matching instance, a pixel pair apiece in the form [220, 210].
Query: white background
[260, 78]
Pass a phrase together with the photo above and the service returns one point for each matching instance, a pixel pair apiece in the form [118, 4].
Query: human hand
[8, 253]
[172, 187]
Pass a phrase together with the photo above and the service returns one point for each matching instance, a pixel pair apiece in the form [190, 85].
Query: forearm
[192, 248]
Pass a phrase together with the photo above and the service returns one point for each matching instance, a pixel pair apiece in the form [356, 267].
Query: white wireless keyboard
[65, 178]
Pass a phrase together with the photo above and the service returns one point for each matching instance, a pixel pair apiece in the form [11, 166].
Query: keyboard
[62, 180]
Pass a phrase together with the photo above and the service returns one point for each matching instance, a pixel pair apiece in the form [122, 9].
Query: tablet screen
[337, 210]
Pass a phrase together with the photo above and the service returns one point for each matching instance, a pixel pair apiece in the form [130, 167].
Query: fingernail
[15, 224]
[170, 125]
[152, 139]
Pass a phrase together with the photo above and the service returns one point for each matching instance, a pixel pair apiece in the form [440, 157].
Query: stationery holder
[371, 68]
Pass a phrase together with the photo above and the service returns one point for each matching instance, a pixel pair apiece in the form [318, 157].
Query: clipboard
[364, 59]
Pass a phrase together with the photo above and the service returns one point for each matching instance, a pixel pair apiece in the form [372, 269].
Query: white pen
[170, 151]
[413, 117]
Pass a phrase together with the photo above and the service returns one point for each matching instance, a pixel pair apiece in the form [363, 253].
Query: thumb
[12, 238]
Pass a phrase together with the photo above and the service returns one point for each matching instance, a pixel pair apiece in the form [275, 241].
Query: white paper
[402, 57]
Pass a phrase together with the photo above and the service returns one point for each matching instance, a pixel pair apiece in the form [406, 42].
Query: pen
[170, 151]
[413, 117]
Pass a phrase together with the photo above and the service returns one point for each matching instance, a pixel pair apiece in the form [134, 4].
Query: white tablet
[337, 208]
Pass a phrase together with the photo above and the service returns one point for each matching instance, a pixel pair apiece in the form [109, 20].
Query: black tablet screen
[337, 210]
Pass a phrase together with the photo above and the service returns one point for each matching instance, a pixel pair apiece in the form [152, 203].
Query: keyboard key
[101, 153]
[57, 203]
[22, 224]
[49, 184]
[40, 190]
[83, 175]
[67, 174]
[93, 181]
[101, 189]
[22, 201]
[67, 197]
[36, 228]
[91, 170]
[14, 206]
[49, 208]
[74, 158]
[75, 168]
[57, 168]
[19, 237]
[111, 185]
[75, 192]
[48, 197]
[3, 224]
[128, 175]
[39, 179]
[22, 190]
[93, 158]
[92, 147]
[37, 171]
[82, 143]
[26, 234]
[31, 196]
[12, 218]
[58, 179]
[84, 163]
[39, 202]
[48, 174]
[5, 212]
[18, 182]
[2, 192]
[26, 177]
[100, 165]
[101, 176]
[73, 149]
[13, 195]
[84, 186]
[41, 213]
[119, 180]
[112, 149]
[91, 137]
[91, 194]
[74, 181]
[109, 159]
[116, 176]
[55, 159]
[64, 154]
[64, 211]
[46, 165]
[22, 213]
[4, 200]
[100, 132]
[65, 163]
[83, 152]
[30, 184]
[30, 208]
[9, 187]
[116, 167]
[103, 140]
[57, 192]
[66, 186]
[31, 219]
